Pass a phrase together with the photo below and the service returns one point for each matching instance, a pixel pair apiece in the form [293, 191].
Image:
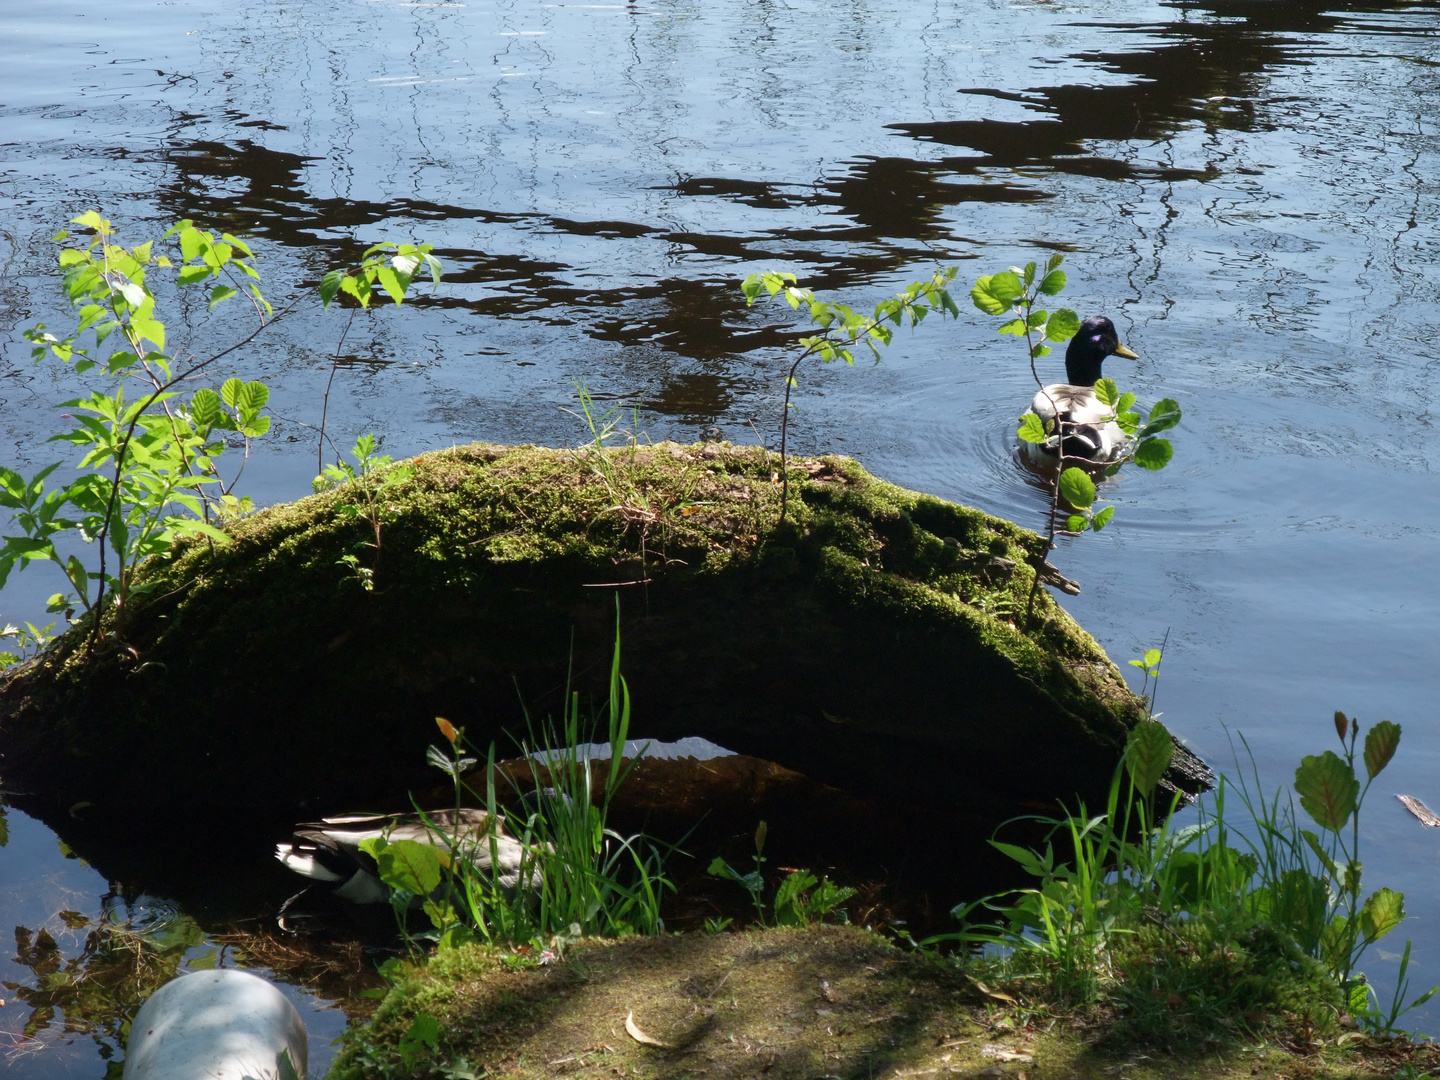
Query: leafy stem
[384, 268]
[841, 329]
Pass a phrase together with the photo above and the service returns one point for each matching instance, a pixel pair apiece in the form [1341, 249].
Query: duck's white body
[329, 850]
[216, 1025]
[1090, 428]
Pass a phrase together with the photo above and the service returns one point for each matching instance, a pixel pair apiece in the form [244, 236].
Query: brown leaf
[639, 1036]
[998, 995]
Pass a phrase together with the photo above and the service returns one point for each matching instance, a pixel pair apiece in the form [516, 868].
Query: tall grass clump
[551, 871]
[1242, 920]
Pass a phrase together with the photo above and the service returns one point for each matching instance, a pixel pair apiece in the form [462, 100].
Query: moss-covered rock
[870, 641]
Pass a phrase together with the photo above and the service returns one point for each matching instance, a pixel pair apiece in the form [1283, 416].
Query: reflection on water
[87, 955]
[1248, 190]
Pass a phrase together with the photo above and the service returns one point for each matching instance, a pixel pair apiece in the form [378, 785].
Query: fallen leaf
[639, 1036]
[998, 995]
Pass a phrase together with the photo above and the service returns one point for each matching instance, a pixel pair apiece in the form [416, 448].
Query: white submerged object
[216, 1025]
[1090, 429]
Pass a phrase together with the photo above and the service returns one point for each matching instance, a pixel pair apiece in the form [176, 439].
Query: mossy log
[870, 641]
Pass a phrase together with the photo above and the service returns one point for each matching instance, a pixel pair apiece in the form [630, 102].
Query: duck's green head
[1088, 349]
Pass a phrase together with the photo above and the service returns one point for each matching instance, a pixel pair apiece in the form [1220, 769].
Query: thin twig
[325, 406]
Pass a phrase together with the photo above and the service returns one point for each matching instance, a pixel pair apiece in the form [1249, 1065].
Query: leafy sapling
[372, 476]
[1332, 795]
[841, 329]
[148, 470]
[386, 268]
[1149, 664]
[30, 640]
[800, 899]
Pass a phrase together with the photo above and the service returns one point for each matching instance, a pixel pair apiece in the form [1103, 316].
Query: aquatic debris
[222, 1024]
[1423, 813]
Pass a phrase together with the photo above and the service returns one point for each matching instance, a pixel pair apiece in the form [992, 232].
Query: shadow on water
[1208, 71]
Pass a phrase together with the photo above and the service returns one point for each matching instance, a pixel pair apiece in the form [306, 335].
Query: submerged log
[869, 642]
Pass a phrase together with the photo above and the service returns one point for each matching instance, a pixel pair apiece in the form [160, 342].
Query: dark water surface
[1249, 190]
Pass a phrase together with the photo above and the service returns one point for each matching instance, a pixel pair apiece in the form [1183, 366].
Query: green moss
[1196, 980]
[823, 1001]
[889, 612]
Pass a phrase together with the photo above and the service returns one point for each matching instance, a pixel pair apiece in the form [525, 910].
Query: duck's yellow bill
[1121, 350]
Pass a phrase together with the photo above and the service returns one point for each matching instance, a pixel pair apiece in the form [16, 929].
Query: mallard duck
[1090, 431]
[329, 850]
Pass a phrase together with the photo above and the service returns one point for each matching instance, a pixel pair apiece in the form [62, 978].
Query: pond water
[1248, 189]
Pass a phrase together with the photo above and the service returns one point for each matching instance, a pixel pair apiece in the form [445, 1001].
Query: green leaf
[994, 293]
[423, 1033]
[330, 286]
[1381, 742]
[1107, 392]
[359, 288]
[1054, 261]
[1165, 415]
[1028, 860]
[191, 274]
[1032, 430]
[1014, 326]
[1053, 283]
[1327, 788]
[1154, 453]
[1076, 488]
[1321, 854]
[230, 391]
[1063, 325]
[983, 295]
[790, 907]
[393, 284]
[182, 526]
[252, 397]
[410, 865]
[1148, 751]
[1383, 912]
[1076, 523]
[205, 407]
[220, 294]
[1006, 286]
[1100, 520]
[1029, 273]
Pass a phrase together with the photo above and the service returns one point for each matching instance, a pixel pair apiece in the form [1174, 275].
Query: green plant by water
[150, 470]
[576, 875]
[799, 900]
[370, 477]
[841, 329]
[1208, 922]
